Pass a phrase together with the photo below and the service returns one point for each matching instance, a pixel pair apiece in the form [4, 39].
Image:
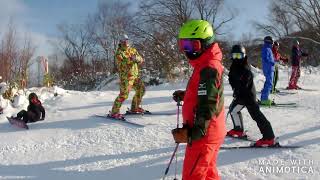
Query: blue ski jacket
[267, 58]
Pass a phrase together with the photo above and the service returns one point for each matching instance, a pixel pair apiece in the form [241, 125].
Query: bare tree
[9, 53]
[14, 58]
[280, 22]
[107, 25]
[158, 23]
[76, 45]
[209, 10]
[295, 19]
[25, 55]
[290, 16]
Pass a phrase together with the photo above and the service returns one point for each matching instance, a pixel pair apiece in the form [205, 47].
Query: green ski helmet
[196, 30]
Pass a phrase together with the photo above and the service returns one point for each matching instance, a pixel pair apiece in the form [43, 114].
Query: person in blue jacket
[268, 70]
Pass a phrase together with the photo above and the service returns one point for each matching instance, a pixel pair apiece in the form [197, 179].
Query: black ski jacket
[241, 81]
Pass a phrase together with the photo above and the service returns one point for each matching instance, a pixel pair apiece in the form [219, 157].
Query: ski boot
[265, 142]
[266, 102]
[138, 111]
[117, 116]
[236, 133]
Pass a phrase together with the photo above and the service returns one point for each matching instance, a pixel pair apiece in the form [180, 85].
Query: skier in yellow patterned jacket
[128, 64]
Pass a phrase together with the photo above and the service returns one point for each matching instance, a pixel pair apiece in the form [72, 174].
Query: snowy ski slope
[71, 144]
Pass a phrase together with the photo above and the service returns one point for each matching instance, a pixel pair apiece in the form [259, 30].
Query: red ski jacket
[277, 56]
[203, 107]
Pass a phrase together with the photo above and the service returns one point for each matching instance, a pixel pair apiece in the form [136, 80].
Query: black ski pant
[255, 113]
[27, 116]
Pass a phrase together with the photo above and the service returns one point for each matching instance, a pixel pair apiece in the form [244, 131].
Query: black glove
[178, 95]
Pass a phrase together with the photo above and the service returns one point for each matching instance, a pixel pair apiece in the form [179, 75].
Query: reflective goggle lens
[187, 45]
[238, 55]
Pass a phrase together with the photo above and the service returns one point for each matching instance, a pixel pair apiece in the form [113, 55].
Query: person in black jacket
[244, 93]
[35, 111]
[296, 57]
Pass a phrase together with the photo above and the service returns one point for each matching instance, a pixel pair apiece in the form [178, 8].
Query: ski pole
[168, 167]
[178, 113]
[229, 111]
[176, 148]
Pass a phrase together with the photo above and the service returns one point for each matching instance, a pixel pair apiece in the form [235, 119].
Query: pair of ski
[252, 146]
[291, 104]
[129, 113]
[299, 89]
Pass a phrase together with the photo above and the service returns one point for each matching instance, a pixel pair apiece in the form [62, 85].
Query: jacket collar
[208, 57]
[267, 45]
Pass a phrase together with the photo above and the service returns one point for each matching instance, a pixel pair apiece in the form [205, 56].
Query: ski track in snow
[73, 144]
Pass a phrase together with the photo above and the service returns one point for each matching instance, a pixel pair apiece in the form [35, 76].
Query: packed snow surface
[72, 144]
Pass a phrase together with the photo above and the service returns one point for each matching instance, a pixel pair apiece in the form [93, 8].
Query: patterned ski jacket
[203, 107]
[128, 60]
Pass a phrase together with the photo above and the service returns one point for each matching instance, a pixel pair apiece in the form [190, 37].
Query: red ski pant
[200, 161]
[295, 75]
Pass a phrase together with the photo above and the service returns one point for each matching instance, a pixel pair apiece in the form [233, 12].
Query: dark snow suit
[244, 92]
[35, 112]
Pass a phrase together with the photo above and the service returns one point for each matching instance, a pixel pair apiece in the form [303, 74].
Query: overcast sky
[39, 18]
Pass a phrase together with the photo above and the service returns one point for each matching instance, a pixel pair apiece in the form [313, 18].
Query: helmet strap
[208, 42]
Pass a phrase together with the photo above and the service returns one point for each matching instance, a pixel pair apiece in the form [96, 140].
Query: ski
[291, 104]
[120, 120]
[283, 93]
[285, 104]
[17, 123]
[151, 113]
[276, 146]
[128, 112]
[301, 89]
[244, 138]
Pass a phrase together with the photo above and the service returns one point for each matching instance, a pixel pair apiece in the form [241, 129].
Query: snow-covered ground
[72, 144]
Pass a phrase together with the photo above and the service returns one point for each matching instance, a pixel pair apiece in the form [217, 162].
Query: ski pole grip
[179, 102]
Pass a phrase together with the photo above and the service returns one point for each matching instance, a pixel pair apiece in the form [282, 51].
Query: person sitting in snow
[244, 93]
[35, 111]
[203, 108]
[128, 62]
[278, 59]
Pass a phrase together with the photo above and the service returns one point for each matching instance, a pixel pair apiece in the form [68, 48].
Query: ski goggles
[189, 45]
[237, 55]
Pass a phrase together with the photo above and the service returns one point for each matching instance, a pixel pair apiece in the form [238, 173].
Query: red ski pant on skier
[295, 75]
[200, 161]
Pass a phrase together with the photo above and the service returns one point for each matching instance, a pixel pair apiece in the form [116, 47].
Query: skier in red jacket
[203, 108]
[278, 59]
